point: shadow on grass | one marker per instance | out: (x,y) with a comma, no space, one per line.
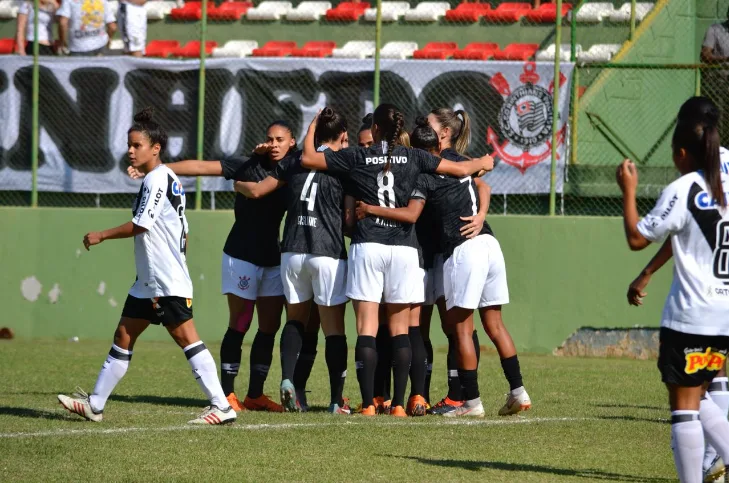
(635,419)
(32,413)
(592,474)
(632,406)
(161,400)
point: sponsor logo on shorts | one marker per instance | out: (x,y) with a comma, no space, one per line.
(244,282)
(698,360)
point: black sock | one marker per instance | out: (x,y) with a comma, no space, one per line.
(454,384)
(469,382)
(510,365)
(261,357)
(402,355)
(419,363)
(428,369)
(230,355)
(291,340)
(365,360)
(477,346)
(335,353)
(383,373)
(307,356)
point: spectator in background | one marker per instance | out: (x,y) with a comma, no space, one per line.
(132,19)
(716,43)
(85,26)
(714,82)
(26,35)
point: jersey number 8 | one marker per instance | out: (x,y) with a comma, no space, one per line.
(386,183)
(308,194)
(721,253)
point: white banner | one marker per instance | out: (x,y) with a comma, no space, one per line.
(87,105)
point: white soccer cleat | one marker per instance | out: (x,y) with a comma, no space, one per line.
(716,471)
(470,409)
(516,404)
(214,415)
(80,404)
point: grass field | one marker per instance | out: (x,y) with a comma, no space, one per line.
(593,420)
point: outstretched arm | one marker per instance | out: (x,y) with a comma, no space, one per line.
(465,168)
(127,230)
(635,290)
(627,177)
(409,214)
(253,190)
(310,157)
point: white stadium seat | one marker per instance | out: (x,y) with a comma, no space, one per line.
(598,53)
(269,10)
(398,50)
(391,12)
(565,52)
(9,9)
(308,11)
(623,14)
(594,12)
(427,12)
(159,9)
(355,49)
(236,48)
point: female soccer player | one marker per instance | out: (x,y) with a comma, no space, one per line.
(383,257)
(314,257)
(162,293)
(364,135)
(251,260)
(694,338)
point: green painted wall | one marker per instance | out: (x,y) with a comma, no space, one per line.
(564,273)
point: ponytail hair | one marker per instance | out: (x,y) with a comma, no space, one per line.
(366,123)
(423,136)
(390,122)
(329,127)
(459,123)
(143,123)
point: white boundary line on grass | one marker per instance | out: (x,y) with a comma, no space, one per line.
(276,426)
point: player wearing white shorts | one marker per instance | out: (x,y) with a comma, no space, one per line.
(162,292)
(383,259)
(132,23)
(313,260)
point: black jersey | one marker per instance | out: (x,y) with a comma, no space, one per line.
(254,237)
(363,168)
(315,217)
(451,199)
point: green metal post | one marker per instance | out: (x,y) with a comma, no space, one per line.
(378,46)
(573,33)
(575,114)
(35,129)
(201,102)
(555,113)
(632,19)
(698,81)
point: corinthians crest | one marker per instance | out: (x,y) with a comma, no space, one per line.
(525,120)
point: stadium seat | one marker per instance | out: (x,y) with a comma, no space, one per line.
(436,50)
(229,11)
(9,9)
(565,52)
(398,50)
(507,12)
(347,12)
(316,48)
(427,12)
(269,10)
(622,15)
(114,7)
(308,11)
(598,53)
(477,51)
(161,48)
(594,12)
(391,12)
(467,12)
(236,48)
(517,52)
(546,13)
(7,46)
(158,10)
(190,11)
(191,50)
(275,48)
(355,49)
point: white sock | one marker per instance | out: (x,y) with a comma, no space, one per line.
(687,442)
(517,391)
(720,395)
(716,427)
(205,372)
(114,368)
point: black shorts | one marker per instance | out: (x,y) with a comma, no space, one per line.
(162,310)
(690,360)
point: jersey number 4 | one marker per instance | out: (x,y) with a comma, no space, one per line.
(721,252)
(308,194)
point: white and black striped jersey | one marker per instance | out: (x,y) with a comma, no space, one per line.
(159,252)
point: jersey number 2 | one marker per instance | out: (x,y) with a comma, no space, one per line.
(386,184)
(721,252)
(308,194)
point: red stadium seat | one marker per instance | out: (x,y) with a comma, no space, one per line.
(318,48)
(275,48)
(190,12)
(192,49)
(477,51)
(467,12)
(229,11)
(7,46)
(507,12)
(436,50)
(517,52)
(347,12)
(546,13)
(161,48)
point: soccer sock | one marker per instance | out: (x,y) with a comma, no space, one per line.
(719,393)
(205,372)
(402,355)
(291,340)
(716,427)
(687,442)
(261,356)
(230,355)
(419,364)
(365,361)
(510,365)
(306,360)
(335,353)
(383,373)
(477,347)
(428,369)
(469,382)
(114,368)
(454,384)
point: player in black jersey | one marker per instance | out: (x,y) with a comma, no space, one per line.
(364,135)
(314,258)
(383,257)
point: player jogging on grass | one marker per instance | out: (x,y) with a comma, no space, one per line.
(162,292)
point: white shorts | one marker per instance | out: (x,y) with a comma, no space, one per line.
(439,291)
(429,284)
(132,21)
(249,281)
(307,276)
(393,271)
(475,275)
